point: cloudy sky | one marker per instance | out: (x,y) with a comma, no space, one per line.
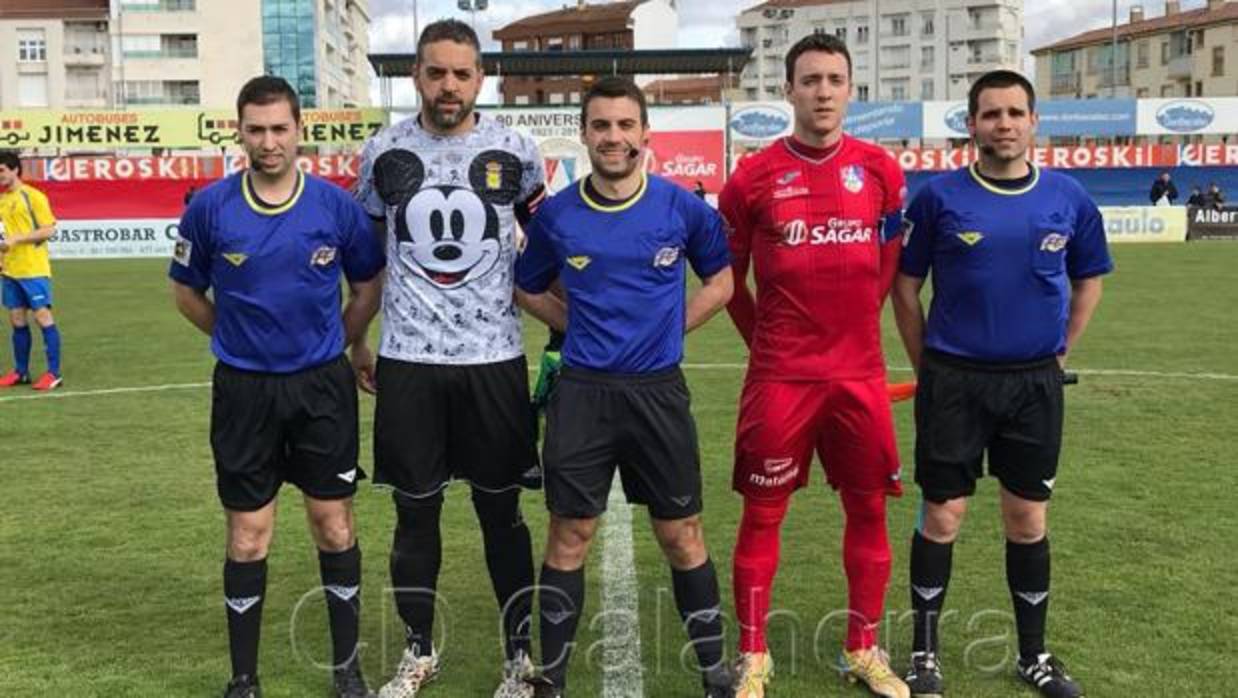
(702,22)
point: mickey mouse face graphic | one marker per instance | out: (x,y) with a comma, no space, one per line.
(451,233)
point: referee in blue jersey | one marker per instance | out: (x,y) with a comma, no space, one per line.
(271,244)
(620,242)
(1016,254)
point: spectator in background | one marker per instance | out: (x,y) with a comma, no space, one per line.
(1163,193)
(1197,197)
(699,190)
(1215,198)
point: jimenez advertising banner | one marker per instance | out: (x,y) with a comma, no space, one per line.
(169,128)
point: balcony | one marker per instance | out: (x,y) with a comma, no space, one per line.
(85,56)
(984,59)
(1179,67)
(93,102)
(1067,83)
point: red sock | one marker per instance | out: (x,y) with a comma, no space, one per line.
(755,562)
(866,558)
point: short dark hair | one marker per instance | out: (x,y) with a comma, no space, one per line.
(268,89)
(826,43)
(996,79)
(10,159)
(448,30)
(614,86)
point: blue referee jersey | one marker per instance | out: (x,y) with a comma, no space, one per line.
(623,266)
(1002,261)
(275,270)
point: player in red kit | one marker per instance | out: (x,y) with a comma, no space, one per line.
(818,215)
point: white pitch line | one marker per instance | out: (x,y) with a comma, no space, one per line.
(1120,372)
(61,394)
(621,672)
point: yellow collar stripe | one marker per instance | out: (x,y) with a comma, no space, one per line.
(640,191)
(974,169)
(247,188)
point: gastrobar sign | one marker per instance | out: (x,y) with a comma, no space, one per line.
(100,239)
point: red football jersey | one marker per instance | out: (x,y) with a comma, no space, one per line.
(820,227)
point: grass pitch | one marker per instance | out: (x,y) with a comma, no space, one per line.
(111,537)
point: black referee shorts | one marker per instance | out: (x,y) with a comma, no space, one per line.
(965,408)
(434,423)
(268,428)
(640,424)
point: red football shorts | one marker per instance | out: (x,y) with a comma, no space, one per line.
(847,423)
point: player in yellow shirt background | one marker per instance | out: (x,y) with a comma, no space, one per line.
(28,224)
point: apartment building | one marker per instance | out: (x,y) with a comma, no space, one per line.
(198,52)
(56,54)
(1178,54)
(901,50)
(628,24)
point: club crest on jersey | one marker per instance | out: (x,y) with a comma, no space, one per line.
(853,178)
(970,237)
(666,257)
(579,262)
(1053,242)
(788,177)
(494,175)
(323,256)
(236,258)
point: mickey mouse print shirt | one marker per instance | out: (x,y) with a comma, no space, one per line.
(452,205)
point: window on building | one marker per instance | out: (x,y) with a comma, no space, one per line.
(1165,52)
(522,99)
(861,92)
(520,45)
(574,97)
(1142,49)
(1141,93)
(926,24)
(140,45)
(1199,88)
(555,98)
(1167,90)
(31,46)
(897,90)
(926,58)
(896,57)
(841,33)
(32,90)
(1218,61)
(926,89)
(898,25)
(861,34)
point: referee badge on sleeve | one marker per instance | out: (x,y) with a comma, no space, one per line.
(182,252)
